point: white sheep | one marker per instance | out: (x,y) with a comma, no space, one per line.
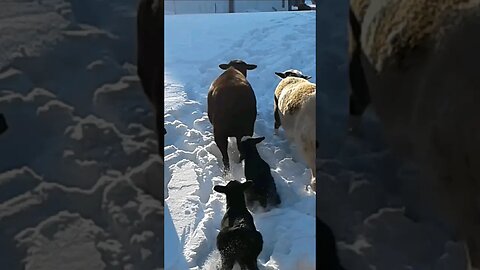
(294,109)
(421,59)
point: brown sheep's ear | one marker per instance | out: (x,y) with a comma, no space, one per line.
(251,66)
(281,75)
(224,66)
(220,189)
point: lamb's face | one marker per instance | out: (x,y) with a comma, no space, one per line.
(248,145)
(234,191)
(239,65)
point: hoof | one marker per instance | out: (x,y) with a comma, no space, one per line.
(311,187)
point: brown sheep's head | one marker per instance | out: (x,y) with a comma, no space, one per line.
(292,73)
(239,65)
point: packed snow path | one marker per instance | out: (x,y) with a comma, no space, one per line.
(195,46)
(369,198)
(78,166)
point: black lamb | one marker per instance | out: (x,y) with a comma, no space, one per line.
(258,171)
(238,240)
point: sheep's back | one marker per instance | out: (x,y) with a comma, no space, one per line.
(238,242)
(391,29)
(292,93)
(232,102)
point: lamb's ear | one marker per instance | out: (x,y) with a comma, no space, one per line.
(306,77)
(247,184)
(220,189)
(281,75)
(224,66)
(258,140)
(251,66)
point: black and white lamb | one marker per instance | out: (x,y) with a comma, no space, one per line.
(238,240)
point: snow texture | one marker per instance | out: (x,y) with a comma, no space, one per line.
(195,46)
(79,175)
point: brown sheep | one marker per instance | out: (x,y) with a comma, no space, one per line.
(232,106)
(420,59)
(150,60)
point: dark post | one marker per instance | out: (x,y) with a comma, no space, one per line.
(231,6)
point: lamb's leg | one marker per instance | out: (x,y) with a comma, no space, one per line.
(240,157)
(222,143)
(160,133)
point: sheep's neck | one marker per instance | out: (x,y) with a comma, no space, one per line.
(253,153)
(236,204)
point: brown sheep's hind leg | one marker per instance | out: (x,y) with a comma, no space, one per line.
(240,155)
(222,144)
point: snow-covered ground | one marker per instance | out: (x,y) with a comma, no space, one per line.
(80,154)
(373,202)
(195,46)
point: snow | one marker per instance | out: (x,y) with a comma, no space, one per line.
(80,180)
(373,202)
(196,45)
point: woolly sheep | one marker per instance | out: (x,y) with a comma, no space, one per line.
(420,60)
(232,106)
(150,60)
(294,110)
(238,240)
(263,190)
